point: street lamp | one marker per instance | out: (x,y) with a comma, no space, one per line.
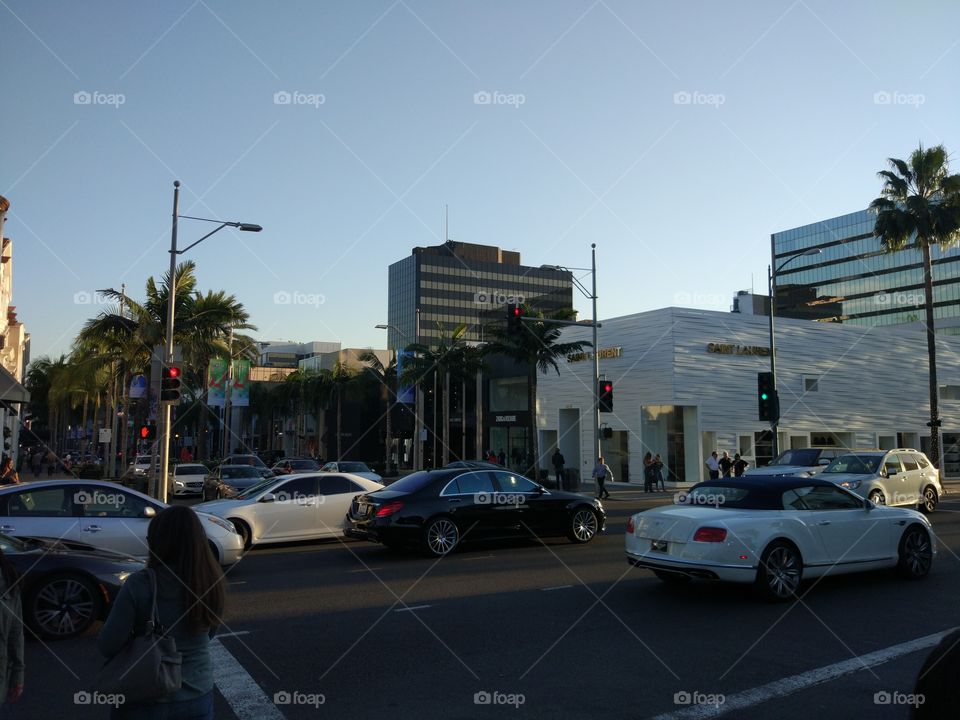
(592,296)
(171,304)
(772,289)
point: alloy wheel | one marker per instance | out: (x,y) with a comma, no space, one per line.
(916,553)
(583,526)
(442,536)
(64,607)
(877,498)
(929,502)
(781,572)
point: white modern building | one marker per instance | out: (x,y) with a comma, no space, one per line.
(685,384)
(14,349)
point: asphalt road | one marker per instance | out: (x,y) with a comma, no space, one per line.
(542,630)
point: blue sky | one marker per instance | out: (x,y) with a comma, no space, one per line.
(676,136)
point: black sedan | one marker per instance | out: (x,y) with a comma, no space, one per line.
(439,509)
(228,481)
(65,587)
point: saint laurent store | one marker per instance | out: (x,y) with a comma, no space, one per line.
(685,384)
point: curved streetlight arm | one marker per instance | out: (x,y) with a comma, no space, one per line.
(244,227)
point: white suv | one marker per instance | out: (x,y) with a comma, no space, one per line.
(888,477)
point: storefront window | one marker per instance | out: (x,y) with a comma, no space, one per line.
(508,394)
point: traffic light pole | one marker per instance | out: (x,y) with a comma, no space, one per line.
(165,408)
(775,418)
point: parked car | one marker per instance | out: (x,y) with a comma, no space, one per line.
(230,480)
(439,509)
(102,514)
(296,465)
(352,467)
(888,477)
(135,476)
(776,532)
(66,587)
(304,506)
(251,460)
(798,461)
(187,478)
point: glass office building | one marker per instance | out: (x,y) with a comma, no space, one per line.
(854,281)
(462,283)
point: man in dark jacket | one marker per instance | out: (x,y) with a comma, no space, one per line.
(558,463)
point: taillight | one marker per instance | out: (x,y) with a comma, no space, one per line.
(630,527)
(710,534)
(389,508)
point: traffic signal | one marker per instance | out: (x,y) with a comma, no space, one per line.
(605,395)
(768,402)
(148,432)
(170,384)
(514,322)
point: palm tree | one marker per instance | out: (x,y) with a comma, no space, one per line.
(387,377)
(537,349)
(341,377)
(919,205)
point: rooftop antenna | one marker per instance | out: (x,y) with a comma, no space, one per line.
(446,223)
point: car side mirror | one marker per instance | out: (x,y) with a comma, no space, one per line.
(268,498)
(868,505)
(149,512)
(891,473)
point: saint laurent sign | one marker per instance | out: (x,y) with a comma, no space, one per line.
(724,349)
(603,354)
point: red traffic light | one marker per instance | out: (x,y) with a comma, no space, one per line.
(144,432)
(171,372)
(516,311)
(607,387)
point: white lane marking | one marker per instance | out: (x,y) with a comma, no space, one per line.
(238,582)
(241,691)
(238,633)
(556,587)
(476,557)
(411,608)
(796,683)
(363,570)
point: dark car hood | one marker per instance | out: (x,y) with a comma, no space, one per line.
(56,546)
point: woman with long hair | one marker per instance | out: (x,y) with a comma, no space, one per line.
(190,598)
(11,633)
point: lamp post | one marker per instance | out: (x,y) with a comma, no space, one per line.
(171,304)
(592,296)
(772,289)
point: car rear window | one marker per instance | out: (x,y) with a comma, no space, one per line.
(805,457)
(412,483)
(732,497)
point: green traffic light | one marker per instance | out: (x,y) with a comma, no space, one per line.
(763,396)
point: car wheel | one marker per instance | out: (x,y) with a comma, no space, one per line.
(672,577)
(930,499)
(916,553)
(877,498)
(780,572)
(63,606)
(583,525)
(441,536)
(243,530)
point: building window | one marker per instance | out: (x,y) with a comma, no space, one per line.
(508,394)
(811,384)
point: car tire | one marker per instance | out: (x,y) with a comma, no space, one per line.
(440,536)
(780,572)
(243,530)
(63,606)
(877,498)
(673,578)
(583,525)
(915,553)
(929,500)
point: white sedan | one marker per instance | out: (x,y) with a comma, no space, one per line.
(776,532)
(101,514)
(303,506)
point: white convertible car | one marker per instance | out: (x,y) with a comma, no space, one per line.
(776,532)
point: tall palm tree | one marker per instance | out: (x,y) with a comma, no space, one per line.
(341,378)
(386,375)
(536,347)
(918,206)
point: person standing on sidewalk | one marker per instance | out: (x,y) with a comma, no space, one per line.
(601,473)
(558,463)
(726,464)
(713,465)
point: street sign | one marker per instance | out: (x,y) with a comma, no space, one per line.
(106,435)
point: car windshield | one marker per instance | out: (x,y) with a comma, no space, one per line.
(804,457)
(258,488)
(191,470)
(142,460)
(353,467)
(252,460)
(239,472)
(412,483)
(856,464)
(731,497)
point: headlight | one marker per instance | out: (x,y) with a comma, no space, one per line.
(122,576)
(178,483)
(222,523)
(851,484)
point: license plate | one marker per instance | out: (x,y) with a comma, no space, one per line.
(362,510)
(658,545)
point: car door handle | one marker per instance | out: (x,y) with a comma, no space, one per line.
(92,528)
(453,500)
(825,522)
(7,528)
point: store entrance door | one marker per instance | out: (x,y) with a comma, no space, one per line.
(512,441)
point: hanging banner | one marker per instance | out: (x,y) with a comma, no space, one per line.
(216,382)
(406,394)
(138,386)
(240,389)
